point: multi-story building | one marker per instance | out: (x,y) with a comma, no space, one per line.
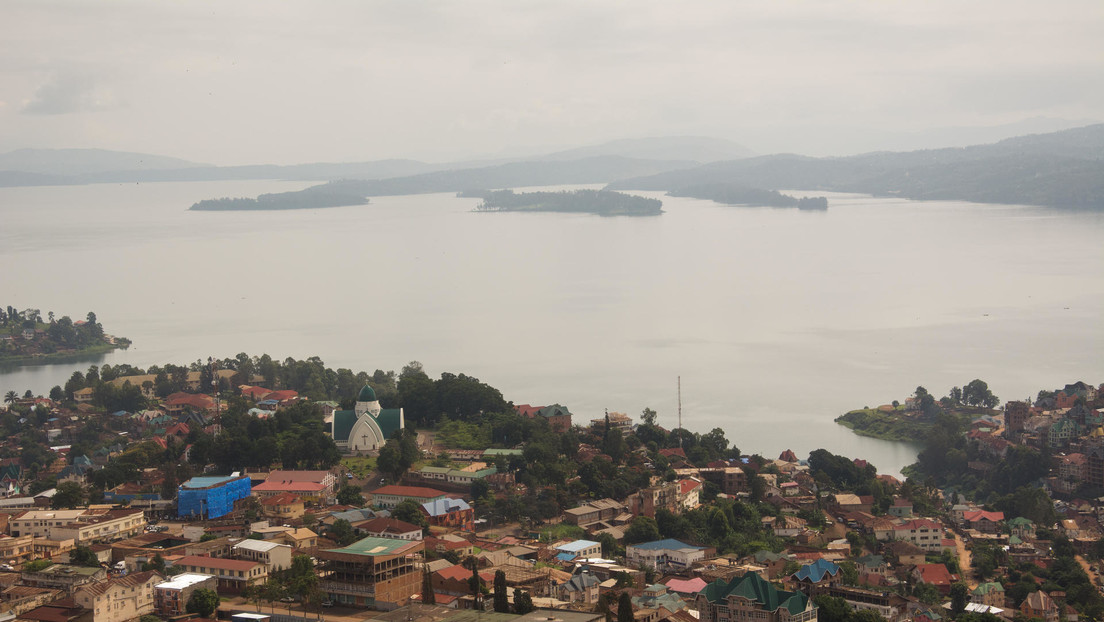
(63,577)
(1016,415)
(450,513)
(389,496)
(39,522)
(922,532)
(231,575)
(662,496)
(210,497)
(390,528)
(731,480)
(593,512)
(82,526)
(374,572)
(171,597)
(283,507)
(663,555)
(273,555)
(750,597)
(20,548)
(579,549)
(119,599)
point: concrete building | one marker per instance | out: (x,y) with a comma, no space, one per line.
(170,598)
(211,497)
(750,597)
(119,599)
(664,555)
(273,555)
(232,575)
(374,572)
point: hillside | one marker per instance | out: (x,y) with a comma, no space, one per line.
(1060,169)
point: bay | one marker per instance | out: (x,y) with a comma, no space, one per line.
(776,320)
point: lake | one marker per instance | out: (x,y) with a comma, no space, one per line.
(776,320)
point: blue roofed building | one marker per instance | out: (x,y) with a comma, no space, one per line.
(579,549)
(210,497)
(817,575)
(449,512)
(669,554)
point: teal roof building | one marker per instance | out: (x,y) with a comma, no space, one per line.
(752,597)
(367,426)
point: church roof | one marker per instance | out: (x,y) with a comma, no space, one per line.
(343,421)
(367,394)
(389,421)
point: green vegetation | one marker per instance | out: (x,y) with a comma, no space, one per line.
(915,424)
(890,426)
(360,466)
(735,194)
(560,531)
(27,338)
(600,202)
(310,198)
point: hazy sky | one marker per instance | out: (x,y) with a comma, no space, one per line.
(234,82)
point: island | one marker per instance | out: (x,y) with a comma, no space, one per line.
(599,202)
(736,194)
(310,198)
(26,338)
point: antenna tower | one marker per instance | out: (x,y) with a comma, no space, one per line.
(680,409)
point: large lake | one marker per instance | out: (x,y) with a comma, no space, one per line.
(776,320)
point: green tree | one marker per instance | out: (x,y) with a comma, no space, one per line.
(342,532)
(410,511)
(203,602)
(624,608)
(960,595)
(642,529)
(523,602)
(501,601)
(10,397)
(83,556)
(350,495)
(68,495)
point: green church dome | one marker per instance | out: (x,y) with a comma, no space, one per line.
(366,394)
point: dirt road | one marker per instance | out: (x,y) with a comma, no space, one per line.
(965,562)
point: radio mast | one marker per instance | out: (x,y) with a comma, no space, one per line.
(680,410)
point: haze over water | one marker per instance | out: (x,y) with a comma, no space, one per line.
(776,320)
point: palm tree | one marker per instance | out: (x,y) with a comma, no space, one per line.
(10,397)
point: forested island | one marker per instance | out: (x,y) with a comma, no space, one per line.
(318,196)
(600,202)
(914,420)
(25,337)
(737,194)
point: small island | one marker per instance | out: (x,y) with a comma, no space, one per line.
(735,194)
(26,338)
(311,198)
(599,202)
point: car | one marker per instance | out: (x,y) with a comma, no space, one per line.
(327,603)
(6,567)
(287,599)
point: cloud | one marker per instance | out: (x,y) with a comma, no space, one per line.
(68,92)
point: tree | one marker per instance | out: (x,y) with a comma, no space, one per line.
(83,556)
(624,608)
(203,602)
(959,596)
(155,563)
(342,532)
(642,529)
(410,511)
(523,602)
(68,495)
(428,597)
(350,495)
(10,397)
(501,602)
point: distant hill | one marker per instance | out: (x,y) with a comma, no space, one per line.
(86,161)
(1059,169)
(688,148)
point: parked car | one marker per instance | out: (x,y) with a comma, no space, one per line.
(287,599)
(327,603)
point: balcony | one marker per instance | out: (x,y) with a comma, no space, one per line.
(342,587)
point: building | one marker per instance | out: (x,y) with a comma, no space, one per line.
(389,496)
(991,594)
(1039,605)
(390,528)
(210,497)
(922,532)
(557,416)
(367,427)
(456,477)
(664,555)
(1016,415)
(450,513)
(273,555)
(63,577)
(283,507)
(231,575)
(119,599)
(374,572)
(171,597)
(593,512)
(579,549)
(82,526)
(19,548)
(750,597)
(314,492)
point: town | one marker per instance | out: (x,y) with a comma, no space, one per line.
(261,490)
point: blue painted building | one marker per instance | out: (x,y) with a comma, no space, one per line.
(210,497)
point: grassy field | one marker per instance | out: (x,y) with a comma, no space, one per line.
(360,466)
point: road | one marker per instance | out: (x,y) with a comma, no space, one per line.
(965,561)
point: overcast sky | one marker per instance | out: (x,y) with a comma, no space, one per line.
(235,82)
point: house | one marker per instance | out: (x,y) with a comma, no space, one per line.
(934,574)
(327,479)
(456,580)
(374,572)
(298,538)
(449,513)
(664,555)
(985,522)
(906,554)
(1022,527)
(922,532)
(750,597)
(170,598)
(901,508)
(1039,605)
(119,599)
(283,507)
(231,575)
(389,496)
(816,576)
(390,528)
(580,588)
(274,555)
(991,594)
(689,494)
(557,416)
(593,512)
(83,396)
(313,492)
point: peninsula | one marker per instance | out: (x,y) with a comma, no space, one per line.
(25,338)
(319,196)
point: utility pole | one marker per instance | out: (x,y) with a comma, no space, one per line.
(680,410)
